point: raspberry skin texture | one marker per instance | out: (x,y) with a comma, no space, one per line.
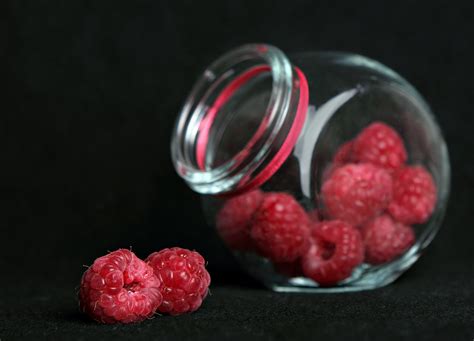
(185,280)
(119,288)
(380,145)
(386,239)
(280,228)
(234,219)
(414,195)
(356,193)
(336,249)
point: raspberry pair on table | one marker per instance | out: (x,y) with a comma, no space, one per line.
(121,288)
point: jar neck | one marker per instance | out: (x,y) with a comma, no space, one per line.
(205,115)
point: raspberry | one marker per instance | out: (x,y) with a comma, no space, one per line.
(344,154)
(280,228)
(381,145)
(386,239)
(233,220)
(336,249)
(414,195)
(184,277)
(356,192)
(119,287)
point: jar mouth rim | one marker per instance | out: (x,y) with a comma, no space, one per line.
(269,146)
(223,97)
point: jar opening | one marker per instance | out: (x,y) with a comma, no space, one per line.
(240,121)
(244,101)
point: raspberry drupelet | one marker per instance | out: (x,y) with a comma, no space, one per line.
(119,288)
(185,280)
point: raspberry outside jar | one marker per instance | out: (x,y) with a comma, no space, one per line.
(320,171)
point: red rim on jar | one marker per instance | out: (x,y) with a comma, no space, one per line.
(253,76)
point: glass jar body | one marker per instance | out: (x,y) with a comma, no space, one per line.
(346,95)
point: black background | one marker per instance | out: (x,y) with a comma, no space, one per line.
(90,93)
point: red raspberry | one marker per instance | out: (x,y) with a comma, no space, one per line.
(386,239)
(344,154)
(336,249)
(357,192)
(280,228)
(233,220)
(119,287)
(184,277)
(381,145)
(414,195)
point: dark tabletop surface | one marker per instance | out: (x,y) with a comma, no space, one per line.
(431,301)
(91,90)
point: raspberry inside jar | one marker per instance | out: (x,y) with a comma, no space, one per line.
(321,172)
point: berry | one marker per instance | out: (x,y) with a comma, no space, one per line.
(336,249)
(344,154)
(119,287)
(280,228)
(386,239)
(381,145)
(356,193)
(184,277)
(414,195)
(233,220)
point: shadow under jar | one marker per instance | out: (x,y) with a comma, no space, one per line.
(322,172)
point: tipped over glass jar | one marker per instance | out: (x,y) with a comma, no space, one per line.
(322,172)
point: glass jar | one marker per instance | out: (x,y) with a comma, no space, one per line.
(322,172)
